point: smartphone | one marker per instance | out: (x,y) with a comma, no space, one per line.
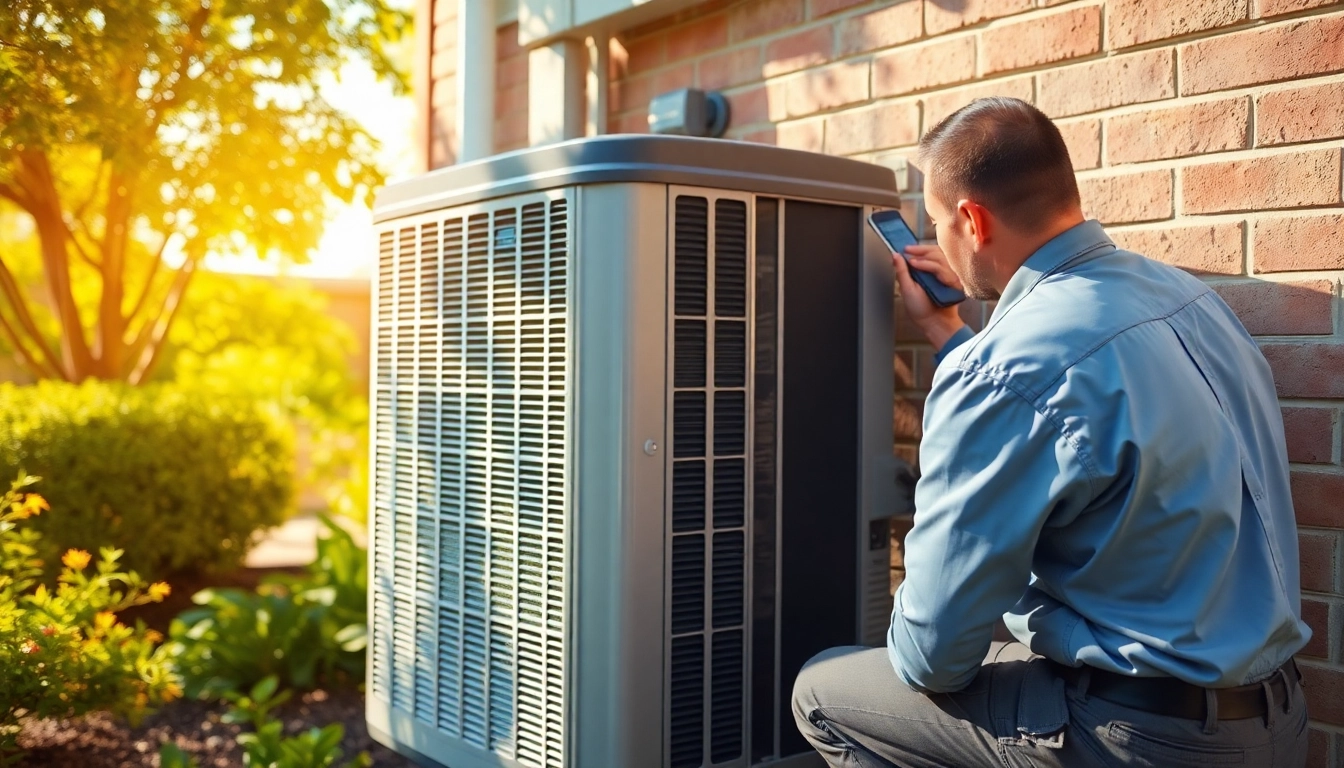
(897,235)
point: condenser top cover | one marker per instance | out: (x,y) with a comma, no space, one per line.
(716,163)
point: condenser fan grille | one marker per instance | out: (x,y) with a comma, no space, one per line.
(470,473)
(707,579)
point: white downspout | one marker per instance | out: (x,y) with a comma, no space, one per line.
(475,79)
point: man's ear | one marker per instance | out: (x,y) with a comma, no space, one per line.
(979,224)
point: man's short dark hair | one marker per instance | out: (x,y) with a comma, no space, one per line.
(1005,154)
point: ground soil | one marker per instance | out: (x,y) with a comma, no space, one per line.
(100,741)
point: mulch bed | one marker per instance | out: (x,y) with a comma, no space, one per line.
(100,741)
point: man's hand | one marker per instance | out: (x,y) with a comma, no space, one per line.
(937,323)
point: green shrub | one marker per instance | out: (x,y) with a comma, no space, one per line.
(179,480)
(304,631)
(62,651)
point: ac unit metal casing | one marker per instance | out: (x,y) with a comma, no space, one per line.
(631,451)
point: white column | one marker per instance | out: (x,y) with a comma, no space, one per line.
(599,48)
(556,108)
(475,79)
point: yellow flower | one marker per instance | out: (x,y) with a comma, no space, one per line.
(172,691)
(159,590)
(77,559)
(152,636)
(31,505)
(104,620)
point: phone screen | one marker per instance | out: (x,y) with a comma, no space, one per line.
(896,233)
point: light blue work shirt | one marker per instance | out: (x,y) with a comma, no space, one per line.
(1104,466)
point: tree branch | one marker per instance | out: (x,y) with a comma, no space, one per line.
(10,287)
(16,196)
(79,249)
(149,355)
(78,214)
(149,280)
(34,365)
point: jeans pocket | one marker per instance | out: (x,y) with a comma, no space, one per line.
(1042,711)
(1145,749)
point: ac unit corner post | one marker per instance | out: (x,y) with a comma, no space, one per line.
(631,451)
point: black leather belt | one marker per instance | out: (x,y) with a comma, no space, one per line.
(1176,698)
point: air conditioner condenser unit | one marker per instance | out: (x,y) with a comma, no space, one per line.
(631,451)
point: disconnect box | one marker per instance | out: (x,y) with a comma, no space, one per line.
(632,451)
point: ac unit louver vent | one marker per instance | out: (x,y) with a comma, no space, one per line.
(470,501)
(709,482)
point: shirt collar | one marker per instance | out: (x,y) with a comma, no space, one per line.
(1060,251)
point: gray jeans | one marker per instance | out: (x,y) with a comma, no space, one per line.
(1018,713)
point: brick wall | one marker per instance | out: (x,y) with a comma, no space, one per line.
(1206,133)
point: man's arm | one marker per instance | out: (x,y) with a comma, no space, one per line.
(993,471)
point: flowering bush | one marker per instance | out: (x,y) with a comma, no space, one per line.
(63,653)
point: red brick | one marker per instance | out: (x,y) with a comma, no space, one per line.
(940,104)
(443,93)
(764,136)
(818,8)
(445,11)
(869,128)
(635,122)
(904,365)
(1316,614)
(1264,55)
(1322,686)
(1318,748)
(941,16)
(1192,129)
(761,17)
(1038,40)
(1265,8)
(506,41)
(805,135)
(631,93)
(725,70)
(1308,369)
(884,28)
(1083,138)
(1300,114)
(1316,498)
(1127,198)
(1310,433)
(442,64)
(749,107)
(924,66)
(1320,563)
(908,418)
(808,48)
(827,88)
(511,71)
(1206,249)
(1111,82)
(698,37)
(445,37)
(511,100)
(645,54)
(1299,243)
(1131,22)
(1282,309)
(1289,180)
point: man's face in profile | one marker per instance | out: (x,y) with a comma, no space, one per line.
(952,228)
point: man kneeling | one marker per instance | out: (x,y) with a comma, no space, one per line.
(1104,467)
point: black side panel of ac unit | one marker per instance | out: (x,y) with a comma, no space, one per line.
(819,524)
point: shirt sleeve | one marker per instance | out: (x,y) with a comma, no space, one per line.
(993,471)
(960,337)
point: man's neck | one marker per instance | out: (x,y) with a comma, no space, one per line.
(1022,246)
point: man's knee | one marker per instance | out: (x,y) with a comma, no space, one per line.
(820,673)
